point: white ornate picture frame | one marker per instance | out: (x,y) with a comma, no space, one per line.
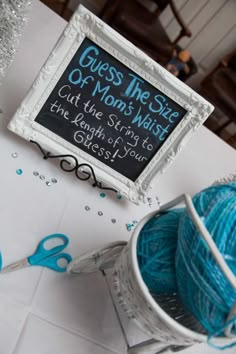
(83,25)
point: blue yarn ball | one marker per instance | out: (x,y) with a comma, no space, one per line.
(202,286)
(156,249)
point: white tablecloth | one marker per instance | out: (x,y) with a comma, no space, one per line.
(43,312)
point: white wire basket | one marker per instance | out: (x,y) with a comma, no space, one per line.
(162,317)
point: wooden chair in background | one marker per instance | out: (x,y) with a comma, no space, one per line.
(139,22)
(219,87)
(60,7)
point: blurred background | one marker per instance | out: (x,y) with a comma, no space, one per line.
(195,40)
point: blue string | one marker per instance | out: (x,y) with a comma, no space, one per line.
(156,248)
(212,336)
(173,257)
(202,286)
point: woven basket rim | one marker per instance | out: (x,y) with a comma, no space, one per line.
(149,298)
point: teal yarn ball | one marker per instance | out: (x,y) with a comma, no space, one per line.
(156,249)
(202,286)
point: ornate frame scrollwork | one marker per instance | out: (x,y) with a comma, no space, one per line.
(85,24)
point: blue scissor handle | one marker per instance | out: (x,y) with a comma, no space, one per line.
(42,253)
(52,262)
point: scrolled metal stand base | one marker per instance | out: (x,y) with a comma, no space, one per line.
(82,171)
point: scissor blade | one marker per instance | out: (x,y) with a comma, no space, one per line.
(15,266)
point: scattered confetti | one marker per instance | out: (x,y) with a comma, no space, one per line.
(129,226)
(102,195)
(54,180)
(19,171)
(15,155)
(35,173)
(42,177)
(87,208)
(48,183)
(119,196)
(113,221)
(149,201)
(100,213)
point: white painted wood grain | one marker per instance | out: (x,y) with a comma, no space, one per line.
(167,15)
(201,19)
(188,12)
(226,45)
(211,35)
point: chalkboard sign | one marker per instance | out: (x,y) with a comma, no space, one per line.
(106,102)
(110,112)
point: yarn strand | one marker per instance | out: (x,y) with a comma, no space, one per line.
(174,257)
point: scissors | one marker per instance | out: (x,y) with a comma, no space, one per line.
(45,257)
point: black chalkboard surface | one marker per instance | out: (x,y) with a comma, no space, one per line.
(105,109)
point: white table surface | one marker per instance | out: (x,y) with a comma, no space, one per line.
(43,312)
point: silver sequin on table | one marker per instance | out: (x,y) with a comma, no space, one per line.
(54,180)
(149,201)
(42,177)
(48,183)
(100,213)
(13,16)
(15,154)
(113,221)
(158,201)
(19,171)
(87,208)
(35,173)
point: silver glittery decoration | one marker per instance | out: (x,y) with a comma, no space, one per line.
(42,177)
(100,213)
(87,208)
(158,201)
(48,183)
(14,155)
(113,221)
(13,16)
(149,201)
(35,173)
(54,180)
